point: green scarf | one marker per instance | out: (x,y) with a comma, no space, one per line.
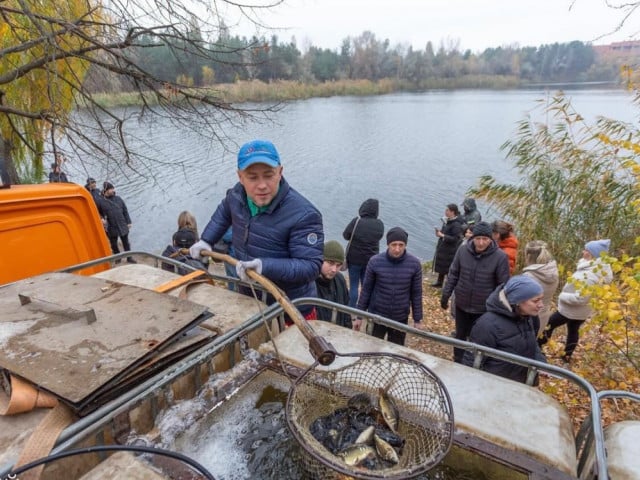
(254,209)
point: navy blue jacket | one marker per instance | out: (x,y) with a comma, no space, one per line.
(503,329)
(473,276)
(288,237)
(391,286)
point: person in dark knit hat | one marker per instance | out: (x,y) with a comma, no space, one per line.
(92,188)
(510,324)
(118,219)
(392,287)
(482,229)
(331,285)
(477,269)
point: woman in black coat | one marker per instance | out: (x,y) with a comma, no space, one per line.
(363,233)
(449,239)
(510,324)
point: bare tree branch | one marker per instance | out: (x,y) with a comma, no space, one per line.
(53,44)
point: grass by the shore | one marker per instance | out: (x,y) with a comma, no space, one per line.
(282,90)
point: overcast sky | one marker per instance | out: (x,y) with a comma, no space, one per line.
(476,24)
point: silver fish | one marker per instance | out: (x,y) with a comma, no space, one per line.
(389,410)
(386,451)
(366,435)
(356,454)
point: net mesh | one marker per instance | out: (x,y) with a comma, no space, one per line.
(425,413)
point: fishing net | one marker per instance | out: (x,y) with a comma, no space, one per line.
(422,401)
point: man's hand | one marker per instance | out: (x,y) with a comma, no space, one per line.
(241,268)
(444,303)
(196,248)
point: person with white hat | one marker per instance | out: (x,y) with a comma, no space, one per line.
(573,306)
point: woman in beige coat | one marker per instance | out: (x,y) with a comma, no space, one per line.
(541,266)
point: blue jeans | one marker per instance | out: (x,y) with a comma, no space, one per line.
(230,270)
(356,279)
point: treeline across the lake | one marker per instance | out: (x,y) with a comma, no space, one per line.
(365,57)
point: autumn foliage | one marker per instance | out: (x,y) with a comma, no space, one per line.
(581,182)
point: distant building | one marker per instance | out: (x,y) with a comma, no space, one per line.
(630,48)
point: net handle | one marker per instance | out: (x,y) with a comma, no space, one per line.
(320,348)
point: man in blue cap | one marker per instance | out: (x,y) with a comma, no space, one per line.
(276,231)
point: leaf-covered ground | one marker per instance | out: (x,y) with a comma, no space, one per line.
(604,373)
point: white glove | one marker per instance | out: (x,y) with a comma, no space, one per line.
(241,268)
(196,248)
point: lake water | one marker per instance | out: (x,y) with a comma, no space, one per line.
(414,152)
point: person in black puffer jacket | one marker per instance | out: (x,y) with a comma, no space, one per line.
(365,243)
(509,325)
(276,231)
(477,269)
(392,286)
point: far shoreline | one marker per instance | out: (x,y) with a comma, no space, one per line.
(256,91)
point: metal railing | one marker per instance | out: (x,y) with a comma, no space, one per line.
(590,436)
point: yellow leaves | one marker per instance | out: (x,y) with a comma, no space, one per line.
(626,144)
(50,38)
(614,315)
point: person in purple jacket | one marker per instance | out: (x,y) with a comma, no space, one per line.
(276,231)
(392,286)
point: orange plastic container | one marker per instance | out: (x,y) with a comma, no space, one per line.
(47,227)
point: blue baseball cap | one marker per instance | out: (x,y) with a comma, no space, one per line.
(258,151)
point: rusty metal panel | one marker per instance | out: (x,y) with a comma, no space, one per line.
(77,336)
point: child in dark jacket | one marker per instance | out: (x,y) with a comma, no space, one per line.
(181,242)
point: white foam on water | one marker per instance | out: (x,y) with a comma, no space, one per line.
(212,443)
(211,437)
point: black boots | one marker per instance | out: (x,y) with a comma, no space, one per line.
(438,282)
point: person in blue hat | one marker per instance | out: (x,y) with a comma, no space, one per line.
(276,231)
(573,306)
(510,324)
